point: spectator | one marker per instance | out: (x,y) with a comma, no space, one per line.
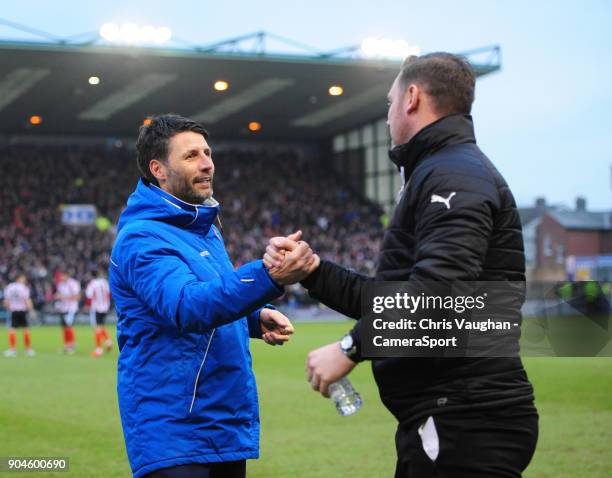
(342,226)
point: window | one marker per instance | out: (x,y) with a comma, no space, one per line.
(339,143)
(548,251)
(367,135)
(361,155)
(560,254)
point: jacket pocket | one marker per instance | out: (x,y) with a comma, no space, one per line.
(196,373)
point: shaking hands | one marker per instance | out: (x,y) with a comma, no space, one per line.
(289,259)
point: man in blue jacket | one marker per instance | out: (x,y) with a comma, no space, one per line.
(187,393)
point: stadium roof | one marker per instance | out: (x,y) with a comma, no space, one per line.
(286,94)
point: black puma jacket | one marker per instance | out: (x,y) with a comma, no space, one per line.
(455,220)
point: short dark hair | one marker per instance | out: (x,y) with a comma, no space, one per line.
(153,137)
(448,79)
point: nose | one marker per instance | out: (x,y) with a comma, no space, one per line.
(205,163)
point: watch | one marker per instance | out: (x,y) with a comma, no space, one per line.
(348,347)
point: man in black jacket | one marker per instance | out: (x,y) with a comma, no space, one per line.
(456,220)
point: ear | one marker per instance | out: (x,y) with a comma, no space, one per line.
(412,98)
(158,170)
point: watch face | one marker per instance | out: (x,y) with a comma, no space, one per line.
(347,342)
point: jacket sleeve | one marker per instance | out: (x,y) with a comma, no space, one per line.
(337,287)
(254,324)
(164,282)
(452,238)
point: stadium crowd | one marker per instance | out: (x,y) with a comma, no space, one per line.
(262,194)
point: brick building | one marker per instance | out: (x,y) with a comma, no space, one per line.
(566,237)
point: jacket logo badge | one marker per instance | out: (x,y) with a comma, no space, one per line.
(446,202)
(205,253)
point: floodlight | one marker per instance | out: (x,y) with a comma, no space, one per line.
(387,48)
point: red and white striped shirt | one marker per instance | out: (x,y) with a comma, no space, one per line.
(16,295)
(66,290)
(98,292)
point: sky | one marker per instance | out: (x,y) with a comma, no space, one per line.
(543,119)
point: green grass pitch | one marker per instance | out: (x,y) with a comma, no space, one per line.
(56,405)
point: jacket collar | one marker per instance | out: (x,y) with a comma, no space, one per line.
(198,217)
(449,130)
(152,203)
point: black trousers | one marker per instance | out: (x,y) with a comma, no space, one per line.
(471,444)
(226,469)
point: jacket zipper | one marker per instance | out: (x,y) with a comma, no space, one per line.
(195,385)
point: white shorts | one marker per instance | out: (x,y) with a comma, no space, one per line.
(68,319)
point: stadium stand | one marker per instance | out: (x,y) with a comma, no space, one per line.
(262,195)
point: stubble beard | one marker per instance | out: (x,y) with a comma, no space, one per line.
(181,187)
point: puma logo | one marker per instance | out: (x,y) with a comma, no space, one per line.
(446,202)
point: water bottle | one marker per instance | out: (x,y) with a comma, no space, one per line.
(346,398)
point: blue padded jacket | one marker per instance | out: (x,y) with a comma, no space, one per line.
(186,389)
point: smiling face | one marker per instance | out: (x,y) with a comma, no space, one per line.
(188,171)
